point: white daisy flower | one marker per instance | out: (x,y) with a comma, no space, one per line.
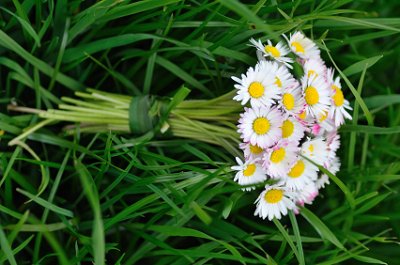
(315,149)
(260,126)
(274,202)
(316,94)
(338,111)
(292,100)
(277,160)
(333,167)
(333,141)
(304,118)
(250,172)
(283,78)
(300,174)
(307,194)
(251,151)
(302,46)
(257,86)
(322,125)
(292,130)
(330,76)
(322,181)
(314,67)
(326,123)
(277,52)
(339,103)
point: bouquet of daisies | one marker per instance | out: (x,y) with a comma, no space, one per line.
(288,128)
(289,125)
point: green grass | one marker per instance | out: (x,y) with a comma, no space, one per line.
(121,199)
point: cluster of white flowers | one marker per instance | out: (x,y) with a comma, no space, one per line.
(286,122)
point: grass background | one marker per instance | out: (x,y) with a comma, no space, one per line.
(117,199)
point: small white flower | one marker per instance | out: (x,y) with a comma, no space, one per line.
(316,94)
(322,181)
(277,52)
(330,76)
(292,130)
(257,86)
(333,141)
(277,160)
(333,167)
(260,126)
(302,46)
(315,149)
(251,151)
(302,173)
(274,202)
(325,122)
(250,172)
(292,100)
(304,118)
(283,78)
(314,67)
(307,194)
(339,104)
(338,111)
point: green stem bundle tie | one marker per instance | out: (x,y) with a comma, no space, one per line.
(147,113)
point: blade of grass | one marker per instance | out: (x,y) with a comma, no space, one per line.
(19,248)
(7,42)
(287,238)
(352,143)
(370,129)
(321,228)
(245,12)
(361,65)
(6,248)
(89,187)
(137,7)
(47,204)
(44,171)
(297,235)
(180,73)
(50,199)
(26,26)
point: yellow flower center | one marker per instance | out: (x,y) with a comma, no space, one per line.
(272,50)
(1,132)
(335,87)
(303,115)
(249,171)
(278,82)
(261,125)
(288,101)
(297,170)
(338,98)
(312,96)
(278,155)
(323,116)
(312,72)
(255,149)
(311,148)
(273,196)
(298,47)
(287,129)
(256,89)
